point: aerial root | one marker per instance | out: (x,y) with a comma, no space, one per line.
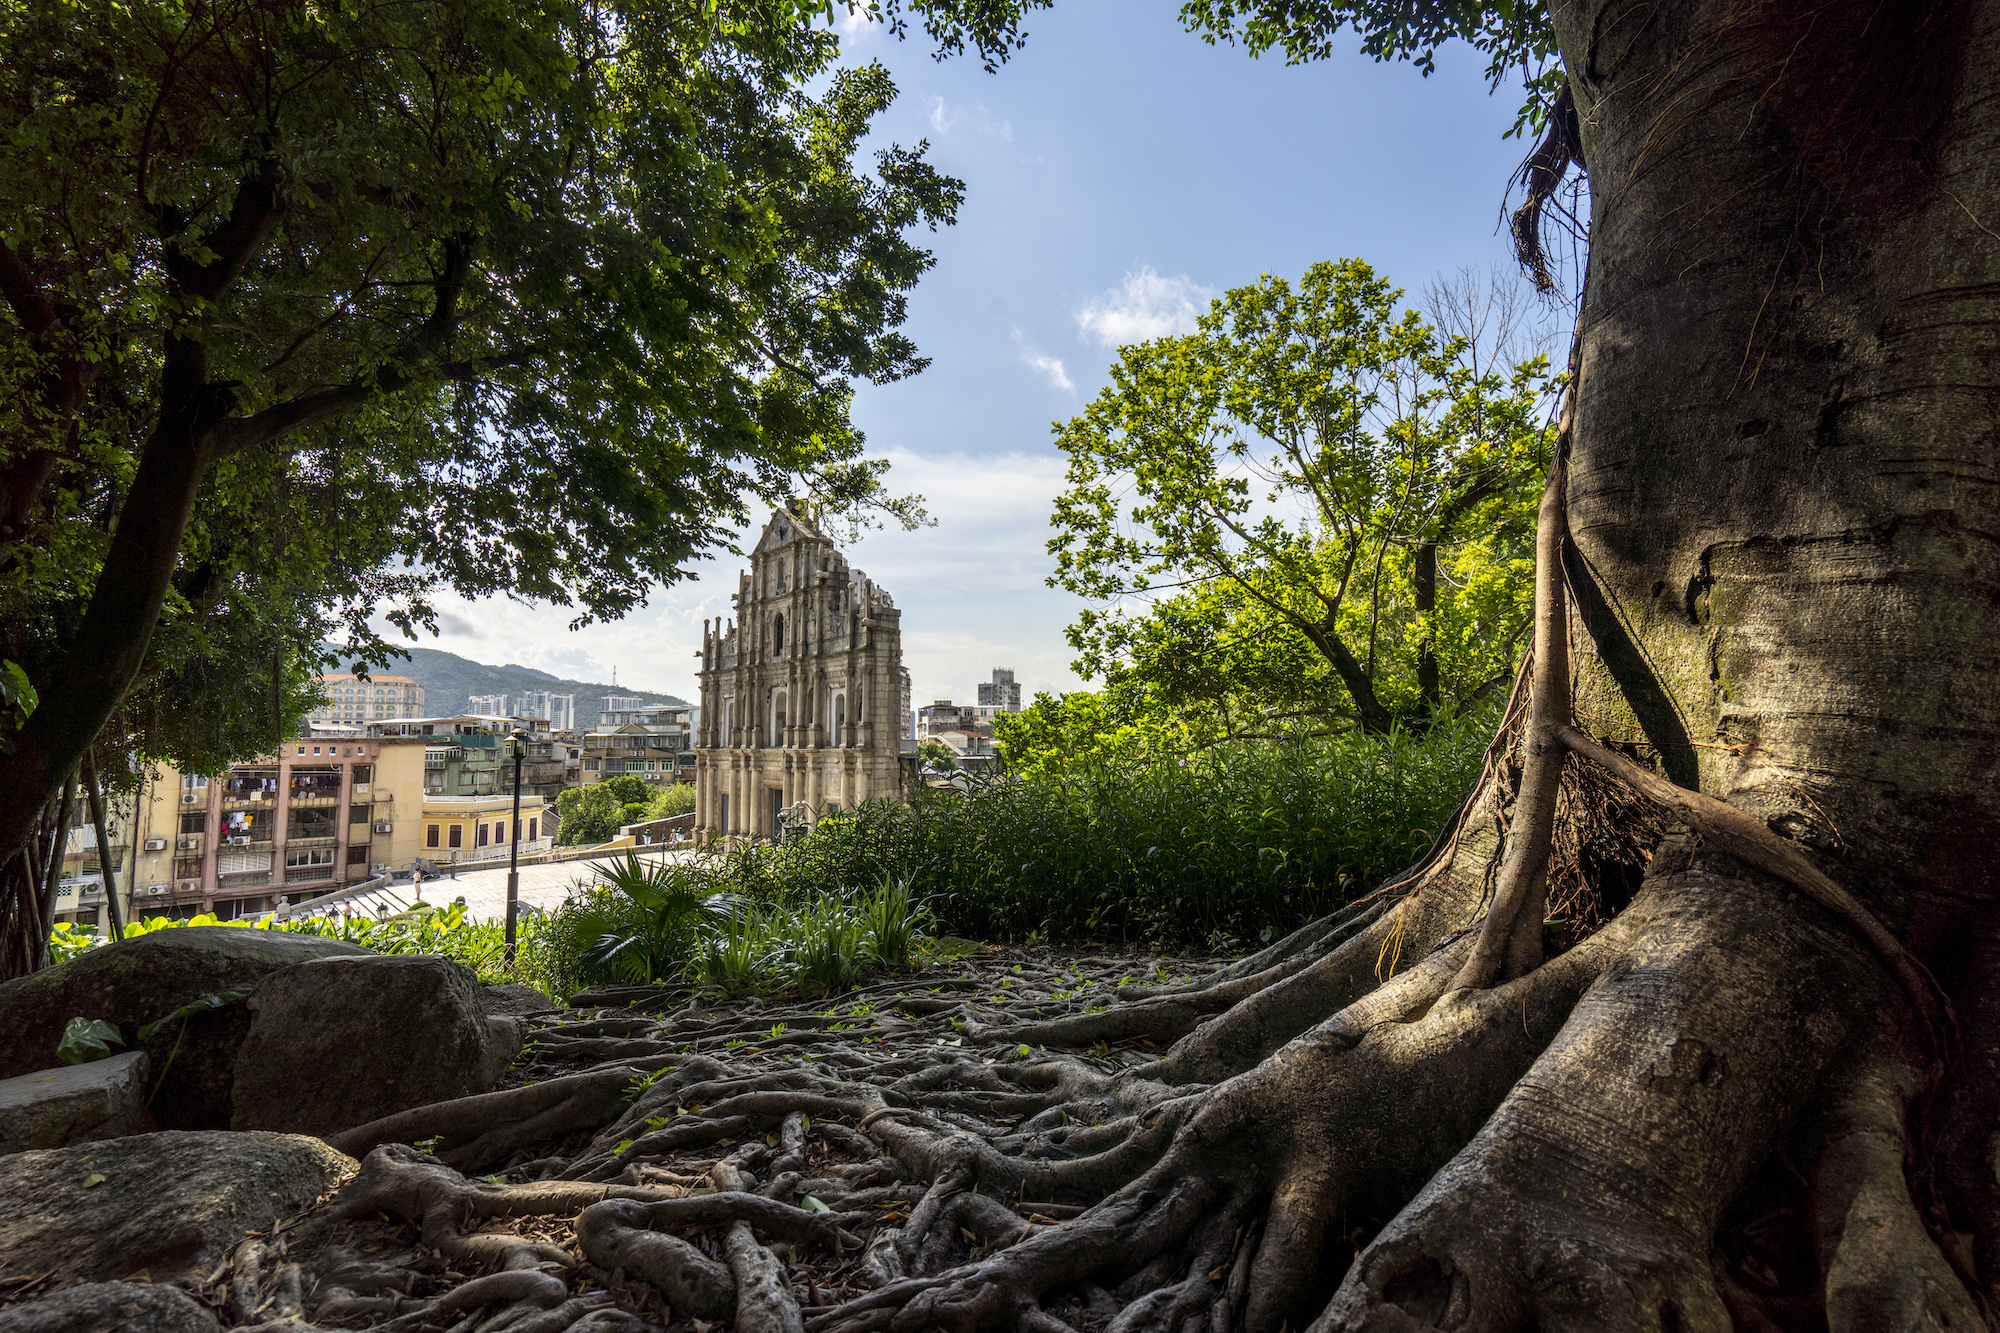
(1882,1269)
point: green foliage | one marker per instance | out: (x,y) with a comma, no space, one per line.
(480,945)
(1515,36)
(88,1039)
(589,815)
(936,755)
(396,285)
(190,1009)
(893,922)
(651,929)
(1325,507)
(1249,839)
(674,798)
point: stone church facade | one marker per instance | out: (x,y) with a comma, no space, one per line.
(803,695)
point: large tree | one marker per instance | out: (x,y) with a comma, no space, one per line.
(312,308)
(1752,1080)
(1284,481)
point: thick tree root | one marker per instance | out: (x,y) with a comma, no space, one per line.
(1590,1198)
(1883,1270)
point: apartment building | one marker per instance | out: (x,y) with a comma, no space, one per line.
(85,867)
(655,744)
(467,755)
(1002,693)
(315,816)
(354,701)
(491,704)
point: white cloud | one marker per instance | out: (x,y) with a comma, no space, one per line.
(970,590)
(853,21)
(1143,307)
(944,116)
(1050,367)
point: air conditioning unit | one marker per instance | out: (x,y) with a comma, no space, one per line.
(383,826)
(379,868)
(189,844)
(156,844)
(238,841)
(193,797)
(155,890)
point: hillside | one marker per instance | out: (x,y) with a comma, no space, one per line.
(449,679)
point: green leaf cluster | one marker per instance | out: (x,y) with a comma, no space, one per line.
(1315,508)
(456,294)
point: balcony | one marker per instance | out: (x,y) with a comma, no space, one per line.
(249,800)
(245,844)
(301,844)
(307,874)
(304,800)
(252,879)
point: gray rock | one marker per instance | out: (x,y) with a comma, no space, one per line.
(339,1042)
(516,1000)
(105,1099)
(135,981)
(170,1204)
(111,1307)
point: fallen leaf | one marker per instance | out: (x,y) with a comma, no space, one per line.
(95,1178)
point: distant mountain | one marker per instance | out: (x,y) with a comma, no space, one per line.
(449,680)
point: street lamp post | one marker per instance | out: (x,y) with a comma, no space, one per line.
(517,742)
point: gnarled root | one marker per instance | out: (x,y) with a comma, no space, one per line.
(1590,1198)
(482,1131)
(1277,1152)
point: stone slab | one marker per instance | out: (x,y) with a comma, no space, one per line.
(171,1204)
(105,1099)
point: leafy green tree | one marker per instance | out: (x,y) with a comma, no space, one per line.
(1297,468)
(596,812)
(311,310)
(936,755)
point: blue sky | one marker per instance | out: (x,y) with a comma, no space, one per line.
(1119,172)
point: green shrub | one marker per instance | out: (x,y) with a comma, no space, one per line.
(480,945)
(637,923)
(1235,844)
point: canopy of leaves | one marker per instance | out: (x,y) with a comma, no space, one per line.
(463,293)
(1321,507)
(1514,35)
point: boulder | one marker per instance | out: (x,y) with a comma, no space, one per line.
(111,1307)
(171,1204)
(515,1000)
(105,1099)
(339,1042)
(132,982)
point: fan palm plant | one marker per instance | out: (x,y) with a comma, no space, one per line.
(642,921)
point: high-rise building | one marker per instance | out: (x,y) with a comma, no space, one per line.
(487,705)
(1002,693)
(620,703)
(558,710)
(357,701)
(803,698)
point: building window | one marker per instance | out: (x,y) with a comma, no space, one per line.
(482,835)
(196,822)
(458,835)
(357,856)
(187,867)
(317,856)
(431,835)
(532,825)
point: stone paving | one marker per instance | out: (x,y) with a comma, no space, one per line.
(485,890)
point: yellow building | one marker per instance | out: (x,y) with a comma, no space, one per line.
(322,813)
(458,829)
